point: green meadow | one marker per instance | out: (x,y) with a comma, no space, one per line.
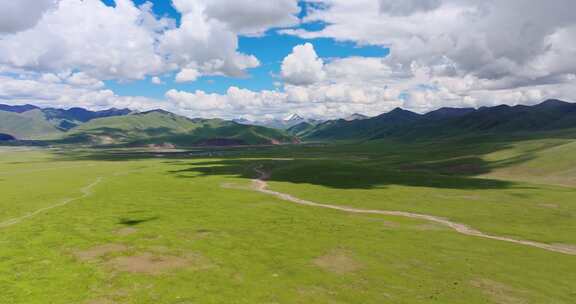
(101,226)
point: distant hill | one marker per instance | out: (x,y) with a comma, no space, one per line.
(356,116)
(6,137)
(27,125)
(17,109)
(68,119)
(357,129)
(31,122)
(444,113)
(399,123)
(122,126)
(159,127)
(301,128)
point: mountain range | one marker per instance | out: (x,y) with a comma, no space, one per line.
(294,121)
(282,124)
(123,126)
(126,127)
(399,123)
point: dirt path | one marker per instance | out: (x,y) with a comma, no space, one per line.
(86,191)
(261,185)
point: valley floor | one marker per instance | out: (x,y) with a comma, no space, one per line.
(128,226)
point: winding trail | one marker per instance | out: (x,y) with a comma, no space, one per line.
(86,191)
(260,184)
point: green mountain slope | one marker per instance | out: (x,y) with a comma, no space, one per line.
(448,122)
(158,127)
(31,123)
(361,129)
(548,161)
(27,125)
(301,129)
(70,118)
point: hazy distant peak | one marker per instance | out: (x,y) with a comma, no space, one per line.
(356,116)
(293,117)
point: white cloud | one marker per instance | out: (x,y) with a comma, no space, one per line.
(65,51)
(487,39)
(303,66)
(156,80)
(236,102)
(205,43)
(253,17)
(407,7)
(101,41)
(50,90)
(364,85)
(127,42)
(187,75)
(81,79)
(447,52)
(19,15)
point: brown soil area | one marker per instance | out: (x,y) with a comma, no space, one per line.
(99,251)
(126,231)
(337,261)
(148,263)
(498,292)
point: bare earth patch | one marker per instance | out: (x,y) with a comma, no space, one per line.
(126,231)
(498,292)
(567,247)
(234,186)
(99,251)
(148,263)
(337,261)
(429,227)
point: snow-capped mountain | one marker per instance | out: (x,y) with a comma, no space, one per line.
(285,123)
(294,118)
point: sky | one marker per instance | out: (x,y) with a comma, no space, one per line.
(268,59)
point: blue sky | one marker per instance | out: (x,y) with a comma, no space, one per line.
(270,49)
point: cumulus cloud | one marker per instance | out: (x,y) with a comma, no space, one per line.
(156,80)
(187,75)
(104,42)
(303,66)
(452,52)
(234,103)
(83,80)
(127,42)
(50,90)
(71,46)
(253,17)
(372,86)
(407,7)
(20,15)
(487,39)
(203,42)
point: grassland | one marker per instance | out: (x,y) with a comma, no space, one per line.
(187,227)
